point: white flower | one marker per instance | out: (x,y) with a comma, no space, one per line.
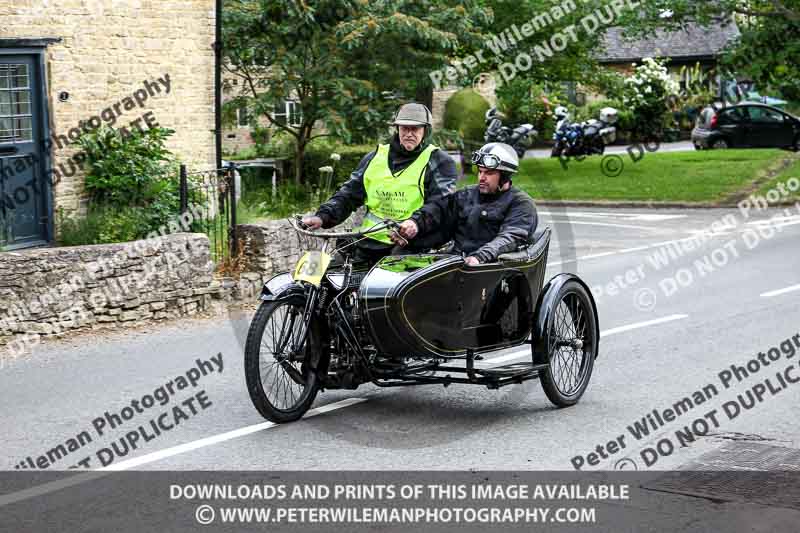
(326,170)
(336,157)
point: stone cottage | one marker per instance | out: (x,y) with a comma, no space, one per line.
(72,65)
(694,44)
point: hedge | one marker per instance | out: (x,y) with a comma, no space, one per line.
(465,112)
(319,155)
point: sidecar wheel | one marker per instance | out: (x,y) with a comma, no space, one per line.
(572,340)
(281,385)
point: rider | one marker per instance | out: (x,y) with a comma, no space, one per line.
(484,220)
(393,181)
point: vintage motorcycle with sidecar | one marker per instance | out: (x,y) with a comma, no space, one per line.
(415,320)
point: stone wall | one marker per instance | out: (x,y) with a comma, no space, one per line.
(272,247)
(108,49)
(54,290)
(440,99)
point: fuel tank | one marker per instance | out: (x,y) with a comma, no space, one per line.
(428,305)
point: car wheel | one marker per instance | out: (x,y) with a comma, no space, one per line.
(796,146)
(720,144)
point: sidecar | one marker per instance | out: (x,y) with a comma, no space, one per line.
(434,306)
(419,320)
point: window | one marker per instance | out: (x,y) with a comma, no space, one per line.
(243,116)
(289,113)
(16,121)
(731,116)
(765,116)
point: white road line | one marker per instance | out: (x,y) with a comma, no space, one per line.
(655,245)
(637,249)
(770,294)
(776,219)
(582,223)
(629,216)
(222,437)
(788,224)
(78,479)
(518,354)
(639,325)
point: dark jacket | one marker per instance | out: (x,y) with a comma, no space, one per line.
(481,225)
(440,179)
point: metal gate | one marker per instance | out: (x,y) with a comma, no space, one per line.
(215,192)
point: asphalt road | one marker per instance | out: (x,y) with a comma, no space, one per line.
(658,346)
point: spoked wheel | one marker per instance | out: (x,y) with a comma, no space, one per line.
(281,383)
(572,346)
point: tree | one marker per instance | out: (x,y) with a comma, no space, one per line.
(528,91)
(768,50)
(339,58)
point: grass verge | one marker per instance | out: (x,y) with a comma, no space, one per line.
(793,171)
(699,176)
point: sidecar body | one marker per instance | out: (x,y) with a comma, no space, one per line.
(435,305)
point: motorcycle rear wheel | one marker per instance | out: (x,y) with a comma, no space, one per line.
(281,384)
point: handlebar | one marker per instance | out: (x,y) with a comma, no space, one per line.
(297,223)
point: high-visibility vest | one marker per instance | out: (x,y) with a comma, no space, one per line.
(394,196)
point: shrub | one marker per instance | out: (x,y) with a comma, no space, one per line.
(523,101)
(277,144)
(647,93)
(133,183)
(465,113)
(448,139)
(126,168)
(318,155)
(103,225)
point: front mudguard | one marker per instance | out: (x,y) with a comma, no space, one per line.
(321,359)
(546,306)
(284,291)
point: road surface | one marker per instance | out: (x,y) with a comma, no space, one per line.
(665,337)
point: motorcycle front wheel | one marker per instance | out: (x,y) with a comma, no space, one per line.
(281,384)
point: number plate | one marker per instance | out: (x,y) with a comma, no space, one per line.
(311,267)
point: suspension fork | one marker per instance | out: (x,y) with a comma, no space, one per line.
(308,314)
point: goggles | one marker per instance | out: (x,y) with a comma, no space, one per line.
(482,159)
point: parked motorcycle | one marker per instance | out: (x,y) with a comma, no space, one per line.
(585,138)
(516,137)
(564,134)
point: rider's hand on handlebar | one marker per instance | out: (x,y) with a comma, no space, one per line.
(409,229)
(313,222)
(398,239)
(472,261)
